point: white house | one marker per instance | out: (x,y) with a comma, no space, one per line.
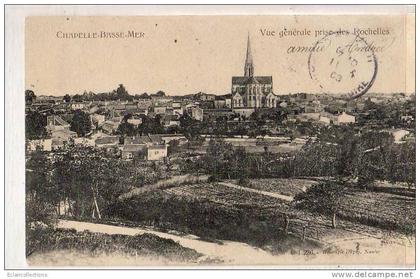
(399,135)
(75,106)
(157,152)
(345,118)
(339,119)
(42,144)
(135,121)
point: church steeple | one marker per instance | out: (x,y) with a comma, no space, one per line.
(249,66)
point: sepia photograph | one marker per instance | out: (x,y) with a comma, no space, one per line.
(239,140)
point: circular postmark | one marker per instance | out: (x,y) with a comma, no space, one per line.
(344,64)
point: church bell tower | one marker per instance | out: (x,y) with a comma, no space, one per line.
(249,66)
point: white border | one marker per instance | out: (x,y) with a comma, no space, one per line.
(14,87)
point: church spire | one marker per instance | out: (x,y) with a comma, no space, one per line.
(249,66)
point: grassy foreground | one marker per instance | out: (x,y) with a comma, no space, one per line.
(96,244)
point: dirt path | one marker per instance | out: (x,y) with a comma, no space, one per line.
(265,193)
(175,180)
(229,252)
(237,253)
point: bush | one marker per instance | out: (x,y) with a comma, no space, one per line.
(98,243)
(243,181)
(213,178)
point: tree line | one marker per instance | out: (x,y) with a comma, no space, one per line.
(363,155)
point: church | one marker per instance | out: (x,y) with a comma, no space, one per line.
(249,91)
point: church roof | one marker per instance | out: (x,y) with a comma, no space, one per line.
(250,80)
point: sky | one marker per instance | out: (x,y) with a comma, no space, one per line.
(187,54)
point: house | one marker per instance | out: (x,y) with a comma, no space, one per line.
(110,126)
(167,138)
(107,141)
(144,103)
(78,105)
(313,107)
(399,135)
(55,122)
(135,121)
(336,119)
(224,101)
(42,144)
(201,96)
(159,109)
(84,141)
(345,118)
(196,113)
(157,152)
(150,147)
(213,114)
(97,118)
(93,109)
(171,120)
(177,108)
(65,135)
(132,151)
(244,112)
(147,140)
(307,116)
(57,144)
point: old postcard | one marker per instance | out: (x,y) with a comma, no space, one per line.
(246,140)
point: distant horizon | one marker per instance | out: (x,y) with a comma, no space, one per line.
(169,95)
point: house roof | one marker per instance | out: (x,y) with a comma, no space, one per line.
(171,117)
(157,147)
(133,147)
(223,97)
(107,140)
(63,132)
(56,121)
(155,138)
(137,140)
(143,139)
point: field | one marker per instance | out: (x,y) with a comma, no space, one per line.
(226,196)
(381,209)
(371,212)
(252,145)
(284,186)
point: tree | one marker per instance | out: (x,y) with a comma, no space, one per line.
(238,163)
(80,123)
(372,157)
(126,129)
(323,198)
(150,125)
(38,169)
(29,97)
(41,197)
(216,160)
(77,98)
(35,124)
(88,181)
(160,93)
(67,98)
(121,91)
(173,146)
(189,126)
